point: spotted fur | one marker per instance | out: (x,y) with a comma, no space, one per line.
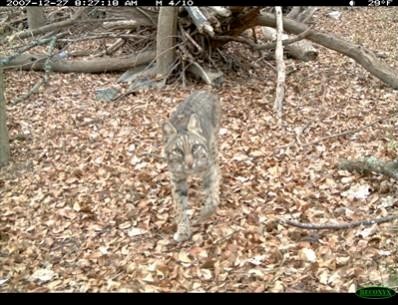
(190,147)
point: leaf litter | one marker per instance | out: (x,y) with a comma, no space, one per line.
(86,203)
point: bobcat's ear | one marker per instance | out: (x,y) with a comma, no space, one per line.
(194,125)
(168,130)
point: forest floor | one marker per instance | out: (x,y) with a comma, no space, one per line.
(86,204)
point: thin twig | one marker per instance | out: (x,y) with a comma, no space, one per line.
(104,35)
(331,226)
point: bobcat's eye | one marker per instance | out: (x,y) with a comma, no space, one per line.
(177,151)
(197,148)
(176,154)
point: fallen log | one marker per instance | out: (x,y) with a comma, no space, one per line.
(120,25)
(97,65)
(302,49)
(265,46)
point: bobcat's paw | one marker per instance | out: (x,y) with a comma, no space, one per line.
(206,212)
(183,233)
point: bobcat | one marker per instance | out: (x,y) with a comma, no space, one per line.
(190,147)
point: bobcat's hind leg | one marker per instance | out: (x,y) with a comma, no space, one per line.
(211,186)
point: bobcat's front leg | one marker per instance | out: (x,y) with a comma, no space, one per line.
(180,197)
(211,186)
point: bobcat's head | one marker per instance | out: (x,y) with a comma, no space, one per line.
(186,151)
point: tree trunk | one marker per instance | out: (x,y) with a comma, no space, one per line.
(165,40)
(36,17)
(4,141)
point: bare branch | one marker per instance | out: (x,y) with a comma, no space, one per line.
(280,64)
(332,226)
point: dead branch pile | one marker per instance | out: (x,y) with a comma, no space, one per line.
(152,46)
